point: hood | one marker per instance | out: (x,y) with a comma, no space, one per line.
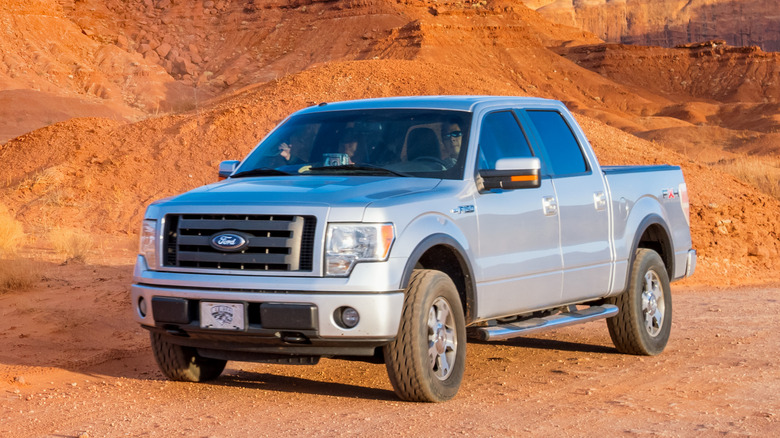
(304,190)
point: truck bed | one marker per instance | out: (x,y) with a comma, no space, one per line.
(639,192)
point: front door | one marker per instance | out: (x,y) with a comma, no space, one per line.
(518,253)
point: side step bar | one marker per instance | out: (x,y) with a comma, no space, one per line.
(532,325)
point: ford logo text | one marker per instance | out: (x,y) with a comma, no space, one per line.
(229,242)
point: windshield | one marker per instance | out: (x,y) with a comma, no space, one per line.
(420,143)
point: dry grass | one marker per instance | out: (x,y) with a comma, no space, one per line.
(75,245)
(761,172)
(18,274)
(45,178)
(11,233)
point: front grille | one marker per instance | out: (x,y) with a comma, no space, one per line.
(275,243)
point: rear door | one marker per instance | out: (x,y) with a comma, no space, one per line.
(582,204)
(519,259)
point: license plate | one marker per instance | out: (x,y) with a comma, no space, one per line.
(222,316)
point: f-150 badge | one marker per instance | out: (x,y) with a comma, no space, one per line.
(463,209)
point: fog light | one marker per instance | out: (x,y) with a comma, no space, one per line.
(142,307)
(347,317)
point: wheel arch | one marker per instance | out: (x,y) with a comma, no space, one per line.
(653,233)
(443,253)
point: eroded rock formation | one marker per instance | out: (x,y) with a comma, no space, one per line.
(669,23)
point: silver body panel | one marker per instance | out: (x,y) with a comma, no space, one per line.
(636,196)
(568,241)
(518,262)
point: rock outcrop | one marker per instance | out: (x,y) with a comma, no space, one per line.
(668,23)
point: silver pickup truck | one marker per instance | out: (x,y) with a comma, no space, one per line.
(393,229)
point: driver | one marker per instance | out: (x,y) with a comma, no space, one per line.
(453,138)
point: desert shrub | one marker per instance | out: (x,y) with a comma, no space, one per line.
(763,172)
(18,274)
(11,233)
(75,245)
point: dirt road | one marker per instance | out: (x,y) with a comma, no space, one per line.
(719,376)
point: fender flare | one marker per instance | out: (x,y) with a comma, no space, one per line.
(668,246)
(465,266)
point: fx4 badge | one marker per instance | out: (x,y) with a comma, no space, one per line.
(670,193)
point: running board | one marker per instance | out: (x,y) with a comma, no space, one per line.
(532,325)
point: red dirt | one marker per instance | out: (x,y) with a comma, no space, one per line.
(108,105)
(67,370)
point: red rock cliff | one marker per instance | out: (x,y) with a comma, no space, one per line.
(671,22)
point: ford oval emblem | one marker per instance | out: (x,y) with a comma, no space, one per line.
(229,242)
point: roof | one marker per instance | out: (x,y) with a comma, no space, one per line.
(458,103)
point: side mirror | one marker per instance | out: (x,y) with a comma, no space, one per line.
(511,174)
(226,168)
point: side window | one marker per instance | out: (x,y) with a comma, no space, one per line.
(563,151)
(501,137)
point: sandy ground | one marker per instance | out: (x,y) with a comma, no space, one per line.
(73,363)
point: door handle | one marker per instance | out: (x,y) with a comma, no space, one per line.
(600,201)
(549,206)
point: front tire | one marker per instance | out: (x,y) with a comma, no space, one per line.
(183,364)
(644,322)
(426,361)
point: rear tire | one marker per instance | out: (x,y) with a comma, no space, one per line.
(183,364)
(644,322)
(426,361)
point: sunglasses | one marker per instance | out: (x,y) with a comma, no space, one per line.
(454,134)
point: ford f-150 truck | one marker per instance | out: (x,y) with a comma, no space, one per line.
(393,229)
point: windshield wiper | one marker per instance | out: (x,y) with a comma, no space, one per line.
(360,168)
(259,172)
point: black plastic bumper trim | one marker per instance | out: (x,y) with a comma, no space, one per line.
(269,343)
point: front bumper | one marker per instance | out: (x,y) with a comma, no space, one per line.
(379,307)
(380,313)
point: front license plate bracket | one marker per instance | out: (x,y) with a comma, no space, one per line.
(222,315)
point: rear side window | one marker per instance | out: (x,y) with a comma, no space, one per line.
(563,151)
(501,137)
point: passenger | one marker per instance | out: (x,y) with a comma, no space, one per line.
(285,151)
(282,157)
(294,150)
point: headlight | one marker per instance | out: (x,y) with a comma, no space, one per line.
(148,245)
(348,244)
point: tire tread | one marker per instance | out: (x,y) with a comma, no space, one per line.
(183,364)
(625,328)
(408,379)
(404,376)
